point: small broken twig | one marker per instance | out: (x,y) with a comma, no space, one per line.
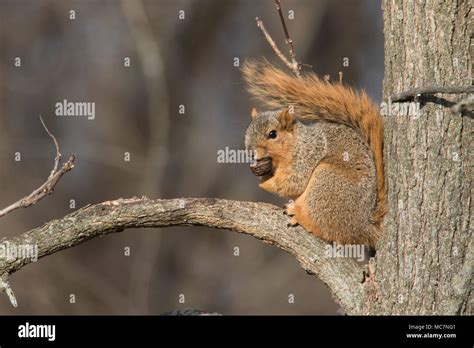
(293,64)
(413,93)
(57,159)
(48,186)
(272,43)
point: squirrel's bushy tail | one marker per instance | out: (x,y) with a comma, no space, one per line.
(314,99)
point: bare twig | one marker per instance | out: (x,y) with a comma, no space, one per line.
(272,43)
(48,186)
(57,159)
(260,220)
(295,66)
(412,93)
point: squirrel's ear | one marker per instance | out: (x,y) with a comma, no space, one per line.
(254,112)
(287,119)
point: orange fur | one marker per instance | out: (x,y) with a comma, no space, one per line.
(278,152)
(303,216)
(314,99)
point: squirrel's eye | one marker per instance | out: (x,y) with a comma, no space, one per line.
(272,134)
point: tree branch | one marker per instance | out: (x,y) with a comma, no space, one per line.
(57,159)
(295,66)
(261,220)
(412,93)
(48,186)
(272,44)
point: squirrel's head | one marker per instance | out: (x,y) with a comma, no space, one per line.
(270,137)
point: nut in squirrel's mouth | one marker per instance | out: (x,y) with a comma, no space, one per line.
(262,168)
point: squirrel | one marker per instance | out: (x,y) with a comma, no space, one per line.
(321,147)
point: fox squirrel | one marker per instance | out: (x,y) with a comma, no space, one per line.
(322,148)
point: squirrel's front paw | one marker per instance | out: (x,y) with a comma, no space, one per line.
(289,208)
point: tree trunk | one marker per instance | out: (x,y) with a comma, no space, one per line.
(424,264)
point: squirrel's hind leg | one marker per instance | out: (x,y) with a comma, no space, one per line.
(300,214)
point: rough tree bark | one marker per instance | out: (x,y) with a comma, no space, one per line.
(424,261)
(424,264)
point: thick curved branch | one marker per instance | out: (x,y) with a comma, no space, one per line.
(263,221)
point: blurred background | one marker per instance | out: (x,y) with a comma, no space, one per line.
(174,61)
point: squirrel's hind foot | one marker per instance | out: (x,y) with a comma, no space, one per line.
(289,208)
(293,222)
